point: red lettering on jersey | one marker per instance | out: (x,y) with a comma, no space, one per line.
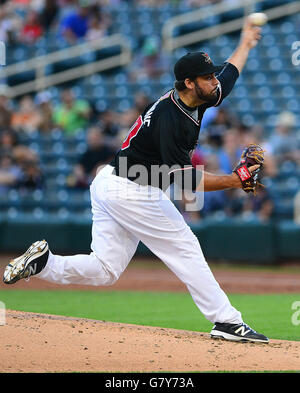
(132,132)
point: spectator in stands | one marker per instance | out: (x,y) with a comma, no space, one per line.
(212,202)
(5,26)
(255,135)
(260,205)
(127,118)
(283,144)
(5,108)
(225,118)
(9,173)
(208,117)
(32,29)
(97,153)
(150,62)
(49,14)
(141,101)
(19,164)
(25,117)
(108,121)
(74,25)
(230,152)
(23,153)
(95,29)
(234,202)
(71,114)
(45,111)
(8,141)
(218,127)
(98,23)
(30,175)
(10,23)
(217,200)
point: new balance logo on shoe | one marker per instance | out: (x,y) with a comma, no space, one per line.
(32,269)
(242,331)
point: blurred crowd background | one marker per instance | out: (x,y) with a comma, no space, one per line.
(52,141)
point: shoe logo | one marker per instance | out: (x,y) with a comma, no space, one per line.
(242,331)
(32,269)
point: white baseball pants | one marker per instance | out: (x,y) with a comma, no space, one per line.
(125,213)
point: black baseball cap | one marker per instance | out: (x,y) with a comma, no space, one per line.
(194,64)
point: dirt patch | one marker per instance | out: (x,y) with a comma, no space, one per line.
(45,343)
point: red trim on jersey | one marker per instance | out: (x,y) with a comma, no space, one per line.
(132,132)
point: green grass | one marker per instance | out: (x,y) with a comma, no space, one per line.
(270,314)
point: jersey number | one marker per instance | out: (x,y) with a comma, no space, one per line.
(132,132)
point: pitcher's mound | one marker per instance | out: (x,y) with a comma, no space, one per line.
(47,343)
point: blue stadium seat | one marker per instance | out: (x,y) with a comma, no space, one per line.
(102,105)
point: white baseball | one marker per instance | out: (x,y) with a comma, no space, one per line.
(258,18)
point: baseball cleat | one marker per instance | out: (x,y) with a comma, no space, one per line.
(29,264)
(237,332)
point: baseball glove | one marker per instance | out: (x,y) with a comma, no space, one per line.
(252,155)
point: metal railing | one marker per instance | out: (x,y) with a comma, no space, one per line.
(39,64)
(171,43)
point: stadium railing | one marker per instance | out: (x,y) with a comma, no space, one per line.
(41,63)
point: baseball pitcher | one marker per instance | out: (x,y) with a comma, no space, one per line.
(129,202)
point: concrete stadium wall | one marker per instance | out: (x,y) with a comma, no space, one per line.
(228,240)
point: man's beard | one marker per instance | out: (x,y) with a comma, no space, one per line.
(209,98)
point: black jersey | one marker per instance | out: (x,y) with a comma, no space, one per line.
(159,144)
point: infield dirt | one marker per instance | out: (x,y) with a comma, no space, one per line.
(46,343)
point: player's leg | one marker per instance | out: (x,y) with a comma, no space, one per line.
(112,249)
(159,225)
